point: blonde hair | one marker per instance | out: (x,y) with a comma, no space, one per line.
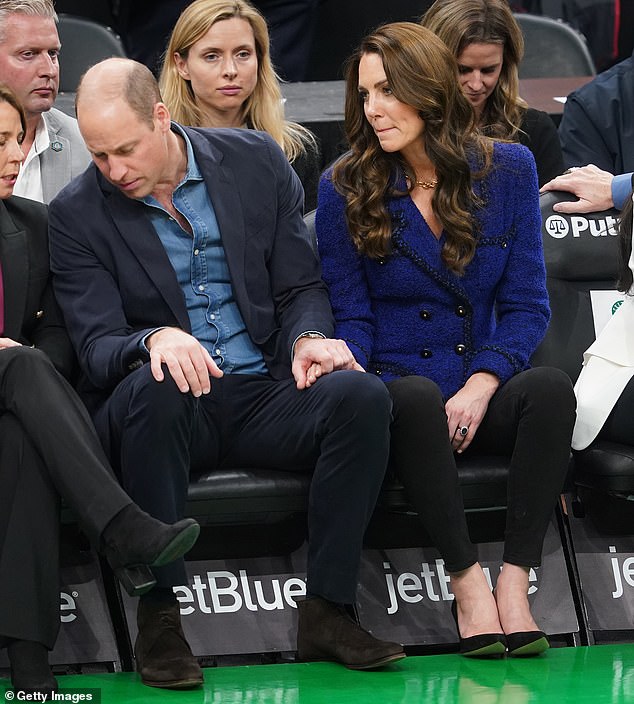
(460,23)
(32,8)
(263,109)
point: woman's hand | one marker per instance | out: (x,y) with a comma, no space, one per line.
(8,342)
(316,357)
(466,408)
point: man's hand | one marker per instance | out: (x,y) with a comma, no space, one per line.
(8,342)
(466,408)
(591,185)
(188,362)
(315,357)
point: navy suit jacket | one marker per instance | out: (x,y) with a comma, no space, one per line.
(31,314)
(115,283)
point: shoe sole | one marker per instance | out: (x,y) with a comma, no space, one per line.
(535,648)
(376,663)
(493,650)
(178,546)
(174,684)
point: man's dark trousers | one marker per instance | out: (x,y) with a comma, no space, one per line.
(338,429)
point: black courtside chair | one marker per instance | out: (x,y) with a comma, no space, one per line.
(552,48)
(581,258)
(84,43)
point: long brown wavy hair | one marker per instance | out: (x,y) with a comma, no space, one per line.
(421,72)
(460,23)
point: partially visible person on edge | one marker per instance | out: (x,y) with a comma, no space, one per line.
(217,72)
(605,387)
(48,445)
(430,241)
(597,124)
(488,45)
(595,189)
(192,294)
(29,48)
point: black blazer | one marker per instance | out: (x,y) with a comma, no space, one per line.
(115,283)
(31,314)
(539,134)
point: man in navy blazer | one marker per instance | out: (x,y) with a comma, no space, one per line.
(192,294)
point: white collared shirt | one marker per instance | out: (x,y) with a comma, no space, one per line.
(29,183)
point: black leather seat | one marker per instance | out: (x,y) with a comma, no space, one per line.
(581,256)
(552,48)
(84,43)
(247,495)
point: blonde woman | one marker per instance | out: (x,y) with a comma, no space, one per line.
(217,72)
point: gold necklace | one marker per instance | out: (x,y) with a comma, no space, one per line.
(432,183)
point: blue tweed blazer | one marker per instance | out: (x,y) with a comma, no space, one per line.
(408,314)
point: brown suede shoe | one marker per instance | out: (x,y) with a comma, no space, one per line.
(326,632)
(163,656)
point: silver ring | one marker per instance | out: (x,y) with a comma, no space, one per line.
(463,430)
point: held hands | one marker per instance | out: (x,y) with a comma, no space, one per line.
(8,342)
(315,357)
(591,185)
(188,362)
(466,408)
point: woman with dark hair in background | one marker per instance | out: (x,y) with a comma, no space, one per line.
(48,446)
(430,240)
(488,45)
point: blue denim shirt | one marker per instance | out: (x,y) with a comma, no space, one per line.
(202,272)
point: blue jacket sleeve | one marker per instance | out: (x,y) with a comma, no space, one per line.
(344,273)
(521,305)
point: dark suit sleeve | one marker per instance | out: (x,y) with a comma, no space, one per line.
(582,140)
(49,335)
(300,295)
(38,321)
(107,345)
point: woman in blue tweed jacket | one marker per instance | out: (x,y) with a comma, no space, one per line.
(430,243)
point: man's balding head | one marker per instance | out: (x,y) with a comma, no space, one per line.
(127,128)
(123,79)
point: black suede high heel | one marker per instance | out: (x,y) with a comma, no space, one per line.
(136,580)
(483,645)
(523,644)
(134,541)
